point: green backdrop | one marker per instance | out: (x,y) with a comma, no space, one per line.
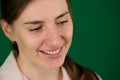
(96,42)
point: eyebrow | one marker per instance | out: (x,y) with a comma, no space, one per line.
(61,15)
(39,22)
(33,22)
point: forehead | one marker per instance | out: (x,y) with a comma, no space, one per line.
(43,9)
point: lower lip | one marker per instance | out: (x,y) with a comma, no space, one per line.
(52,56)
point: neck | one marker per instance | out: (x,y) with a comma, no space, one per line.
(38,73)
(46,75)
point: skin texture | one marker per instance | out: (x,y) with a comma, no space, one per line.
(44,26)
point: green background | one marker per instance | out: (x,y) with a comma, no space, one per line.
(96,42)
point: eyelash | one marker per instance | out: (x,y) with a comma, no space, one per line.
(36,29)
(62,22)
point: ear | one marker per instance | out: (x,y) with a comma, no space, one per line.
(7,29)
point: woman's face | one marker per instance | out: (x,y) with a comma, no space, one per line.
(43,33)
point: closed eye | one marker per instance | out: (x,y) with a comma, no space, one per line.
(37,29)
(62,22)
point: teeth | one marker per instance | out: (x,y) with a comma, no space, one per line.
(52,52)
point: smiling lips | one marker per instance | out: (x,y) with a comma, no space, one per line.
(51,52)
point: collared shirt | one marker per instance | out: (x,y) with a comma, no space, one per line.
(10,71)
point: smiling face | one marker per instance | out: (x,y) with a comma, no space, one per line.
(43,33)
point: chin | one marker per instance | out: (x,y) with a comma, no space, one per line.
(55,64)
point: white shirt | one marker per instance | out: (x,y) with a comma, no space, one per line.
(10,71)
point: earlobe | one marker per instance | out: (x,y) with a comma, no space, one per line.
(6,29)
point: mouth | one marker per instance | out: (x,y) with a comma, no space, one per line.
(51,52)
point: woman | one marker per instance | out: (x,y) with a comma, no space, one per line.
(41,32)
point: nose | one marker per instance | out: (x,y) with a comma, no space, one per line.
(54,39)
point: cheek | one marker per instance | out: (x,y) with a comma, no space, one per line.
(67,33)
(24,41)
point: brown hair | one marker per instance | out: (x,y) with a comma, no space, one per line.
(11,9)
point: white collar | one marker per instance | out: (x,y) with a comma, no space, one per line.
(10,71)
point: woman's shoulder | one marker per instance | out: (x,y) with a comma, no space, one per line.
(9,69)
